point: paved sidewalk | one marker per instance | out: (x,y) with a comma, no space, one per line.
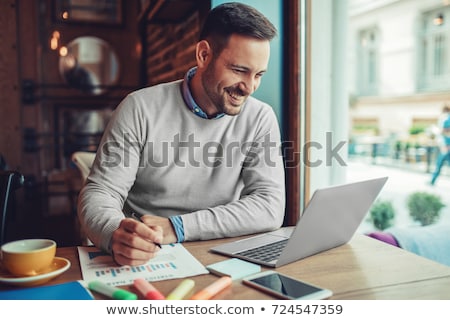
(401,183)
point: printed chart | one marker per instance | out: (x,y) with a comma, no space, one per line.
(172,261)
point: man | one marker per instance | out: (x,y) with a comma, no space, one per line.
(443,142)
(199,158)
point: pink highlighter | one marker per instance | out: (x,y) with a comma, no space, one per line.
(147,290)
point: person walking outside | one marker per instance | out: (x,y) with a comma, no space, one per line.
(444,143)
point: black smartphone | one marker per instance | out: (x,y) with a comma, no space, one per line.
(285,287)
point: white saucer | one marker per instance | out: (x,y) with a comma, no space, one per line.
(58,266)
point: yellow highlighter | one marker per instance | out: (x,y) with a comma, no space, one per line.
(181,290)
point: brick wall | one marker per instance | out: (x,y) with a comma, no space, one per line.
(10,135)
(171,49)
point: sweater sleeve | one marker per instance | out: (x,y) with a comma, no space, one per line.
(102,198)
(262,202)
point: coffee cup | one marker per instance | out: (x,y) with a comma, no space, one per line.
(28,257)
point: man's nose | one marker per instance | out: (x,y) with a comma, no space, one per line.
(248,85)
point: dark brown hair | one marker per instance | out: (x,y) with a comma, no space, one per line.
(235,18)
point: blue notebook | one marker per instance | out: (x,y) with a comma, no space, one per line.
(64,291)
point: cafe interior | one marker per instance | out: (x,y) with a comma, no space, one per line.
(66,64)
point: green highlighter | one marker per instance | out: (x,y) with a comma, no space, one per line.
(110,291)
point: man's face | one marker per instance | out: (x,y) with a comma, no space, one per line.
(235,74)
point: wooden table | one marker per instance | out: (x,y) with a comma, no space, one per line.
(364,268)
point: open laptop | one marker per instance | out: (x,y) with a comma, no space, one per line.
(330,219)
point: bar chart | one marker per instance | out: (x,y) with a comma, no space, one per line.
(173,261)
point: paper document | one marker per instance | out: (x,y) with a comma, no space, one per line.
(171,262)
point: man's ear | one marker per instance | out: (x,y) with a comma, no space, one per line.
(203,53)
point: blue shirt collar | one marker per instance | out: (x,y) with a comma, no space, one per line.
(190,102)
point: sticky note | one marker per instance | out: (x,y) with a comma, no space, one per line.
(234,268)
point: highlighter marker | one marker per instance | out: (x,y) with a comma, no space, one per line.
(111,291)
(147,290)
(181,290)
(138,217)
(213,289)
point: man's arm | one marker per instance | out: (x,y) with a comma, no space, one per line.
(262,202)
(102,198)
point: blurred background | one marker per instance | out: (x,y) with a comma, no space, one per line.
(376,74)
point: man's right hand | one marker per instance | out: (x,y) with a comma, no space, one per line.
(134,243)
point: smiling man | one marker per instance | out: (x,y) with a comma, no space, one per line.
(197,158)
(224,81)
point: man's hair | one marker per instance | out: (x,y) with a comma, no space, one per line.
(235,18)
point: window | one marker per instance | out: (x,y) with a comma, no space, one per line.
(368,62)
(434,51)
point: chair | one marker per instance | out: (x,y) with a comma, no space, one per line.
(432,242)
(9,182)
(83,160)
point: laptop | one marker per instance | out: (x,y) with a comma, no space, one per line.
(330,219)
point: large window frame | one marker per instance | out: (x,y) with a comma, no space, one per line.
(368,61)
(295,101)
(434,50)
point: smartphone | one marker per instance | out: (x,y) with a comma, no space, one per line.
(285,287)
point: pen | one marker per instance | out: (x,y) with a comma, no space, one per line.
(213,289)
(147,290)
(138,216)
(181,290)
(111,291)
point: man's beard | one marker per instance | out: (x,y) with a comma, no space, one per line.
(219,101)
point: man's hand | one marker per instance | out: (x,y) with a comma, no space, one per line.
(168,231)
(134,243)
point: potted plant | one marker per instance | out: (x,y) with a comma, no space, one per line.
(397,149)
(424,207)
(382,214)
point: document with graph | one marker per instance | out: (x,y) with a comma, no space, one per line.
(172,261)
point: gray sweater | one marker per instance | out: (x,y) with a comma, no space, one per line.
(224,177)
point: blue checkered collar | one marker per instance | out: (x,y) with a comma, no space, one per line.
(190,102)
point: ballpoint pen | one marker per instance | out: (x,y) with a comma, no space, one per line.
(138,216)
(110,291)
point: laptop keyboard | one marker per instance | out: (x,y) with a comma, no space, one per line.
(266,253)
